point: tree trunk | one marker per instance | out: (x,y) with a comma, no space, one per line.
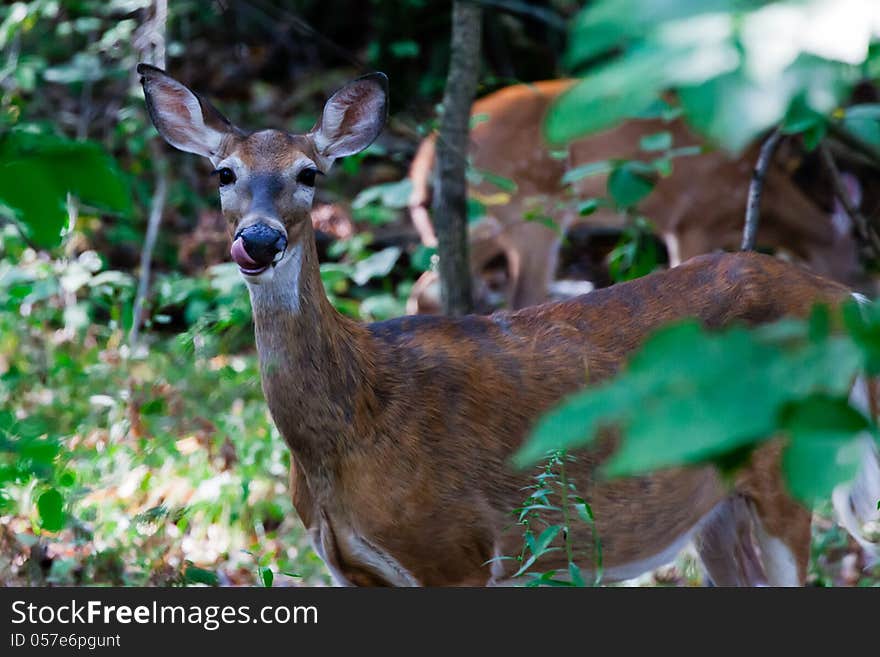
(450,188)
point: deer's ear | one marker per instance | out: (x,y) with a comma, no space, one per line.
(185,120)
(353,117)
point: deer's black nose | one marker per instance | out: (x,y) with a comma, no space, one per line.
(262,243)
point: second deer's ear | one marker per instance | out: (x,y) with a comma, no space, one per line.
(185,120)
(353,117)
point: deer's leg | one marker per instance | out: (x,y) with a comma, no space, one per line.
(538,253)
(785,553)
(781,524)
(727,548)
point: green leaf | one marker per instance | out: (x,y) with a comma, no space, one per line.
(404,49)
(589,206)
(545,539)
(50,506)
(476,176)
(588,170)
(865,129)
(628,184)
(378,307)
(526,565)
(267,576)
(635,255)
(422,258)
(377,265)
(659,141)
(607,24)
(597,103)
(819,323)
(38,171)
(391,195)
(735,108)
(824,449)
(585,511)
(195,575)
(870,111)
(574,572)
(863,324)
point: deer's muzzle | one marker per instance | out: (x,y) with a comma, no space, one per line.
(256,247)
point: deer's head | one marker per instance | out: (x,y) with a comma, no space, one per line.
(266,178)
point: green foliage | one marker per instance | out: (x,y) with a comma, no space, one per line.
(51,508)
(630,182)
(825,447)
(636,253)
(863,121)
(739,67)
(378,204)
(548,527)
(92,438)
(38,171)
(195,575)
(478,176)
(691,396)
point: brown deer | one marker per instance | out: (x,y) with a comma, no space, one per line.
(401,432)
(696,210)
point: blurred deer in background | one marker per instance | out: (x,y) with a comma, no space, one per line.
(401,432)
(700,208)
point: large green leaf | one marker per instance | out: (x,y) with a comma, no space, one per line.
(603,25)
(38,170)
(690,395)
(376,265)
(824,448)
(630,183)
(730,86)
(606,96)
(50,506)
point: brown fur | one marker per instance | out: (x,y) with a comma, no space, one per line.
(698,209)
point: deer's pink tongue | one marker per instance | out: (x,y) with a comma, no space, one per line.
(241,257)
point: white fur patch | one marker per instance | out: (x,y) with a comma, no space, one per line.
(496,568)
(363,553)
(278,287)
(317,545)
(779,563)
(673,248)
(861,298)
(369,554)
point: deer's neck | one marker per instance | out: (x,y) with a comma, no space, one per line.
(312,360)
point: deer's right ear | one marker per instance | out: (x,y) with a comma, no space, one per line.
(185,120)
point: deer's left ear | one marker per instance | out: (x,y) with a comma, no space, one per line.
(353,117)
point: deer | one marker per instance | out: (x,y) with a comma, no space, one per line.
(697,209)
(401,432)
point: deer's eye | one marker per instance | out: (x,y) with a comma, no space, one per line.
(307,177)
(226,176)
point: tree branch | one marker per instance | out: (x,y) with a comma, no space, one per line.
(153,36)
(753,205)
(865,230)
(450,199)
